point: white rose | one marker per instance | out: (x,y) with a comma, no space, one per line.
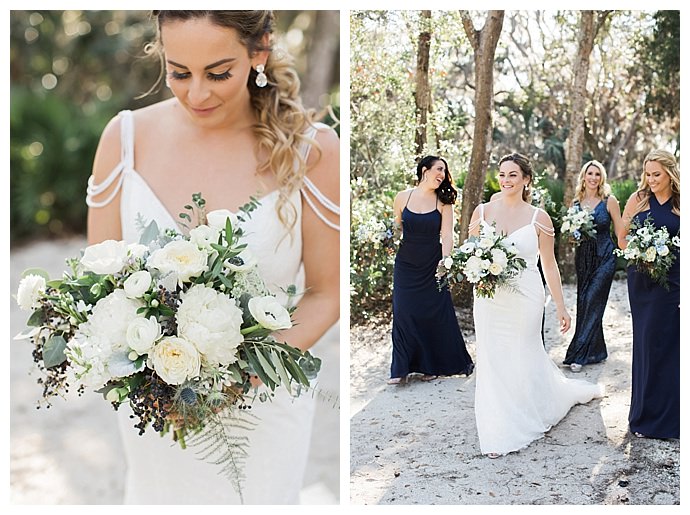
(175,360)
(137,250)
(108,257)
(243,261)
(212,322)
(181,257)
(137,284)
(29,291)
(203,236)
(448,263)
(218,217)
(495,269)
(269,313)
(650,254)
(142,333)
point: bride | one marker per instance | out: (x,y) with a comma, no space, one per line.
(235,128)
(520,392)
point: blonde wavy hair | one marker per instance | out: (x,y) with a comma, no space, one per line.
(283,120)
(670,166)
(604,188)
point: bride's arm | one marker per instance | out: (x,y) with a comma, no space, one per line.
(550,267)
(103,223)
(319,308)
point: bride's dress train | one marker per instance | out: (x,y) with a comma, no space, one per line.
(520,392)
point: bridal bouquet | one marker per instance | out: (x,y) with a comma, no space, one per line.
(175,326)
(650,250)
(577,223)
(486,260)
(377,232)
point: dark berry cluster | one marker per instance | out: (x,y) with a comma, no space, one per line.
(151,402)
(171,300)
(54,380)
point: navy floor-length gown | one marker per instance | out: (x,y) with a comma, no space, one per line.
(426,335)
(655,403)
(595,265)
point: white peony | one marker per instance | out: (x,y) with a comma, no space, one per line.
(175,360)
(104,258)
(110,319)
(269,313)
(243,261)
(203,235)
(212,322)
(29,291)
(218,217)
(142,333)
(137,284)
(181,257)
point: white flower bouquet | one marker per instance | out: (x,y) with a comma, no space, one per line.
(175,326)
(650,250)
(486,260)
(577,224)
(376,232)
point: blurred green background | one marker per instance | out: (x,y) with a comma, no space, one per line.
(72,71)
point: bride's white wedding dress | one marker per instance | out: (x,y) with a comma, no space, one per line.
(158,471)
(520,392)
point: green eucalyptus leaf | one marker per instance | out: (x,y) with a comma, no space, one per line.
(54,351)
(150,233)
(37,319)
(36,271)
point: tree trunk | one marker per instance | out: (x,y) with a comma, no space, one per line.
(484,43)
(624,141)
(422,92)
(588,31)
(321,58)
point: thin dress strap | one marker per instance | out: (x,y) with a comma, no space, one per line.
(549,231)
(322,199)
(472,226)
(409,197)
(126,162)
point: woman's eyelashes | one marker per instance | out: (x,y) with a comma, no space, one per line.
(212,76)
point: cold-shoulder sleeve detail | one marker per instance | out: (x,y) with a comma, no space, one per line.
(126,161)
(323,201)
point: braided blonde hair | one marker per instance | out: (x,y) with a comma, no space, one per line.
(282,119)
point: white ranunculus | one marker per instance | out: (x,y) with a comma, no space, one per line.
(269,313)
(218,217)
(175,360)
(110,319)
(448,262)
(137,250)
(108,257)
(29,291)
(142,333)
(203,236)
(181,257)
(495,269)
(212,322)
(243,261)
(650,254)
(137,284)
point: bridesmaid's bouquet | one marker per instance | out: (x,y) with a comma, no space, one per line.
(650,250)
(377,233)
(486,260)
(174,326)
(577,224)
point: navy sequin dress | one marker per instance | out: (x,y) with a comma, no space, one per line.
(426,335)
(595,265)
(655,403)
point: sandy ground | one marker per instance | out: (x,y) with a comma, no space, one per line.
(71,453)
(418,444)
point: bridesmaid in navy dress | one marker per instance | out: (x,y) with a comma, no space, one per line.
(655,403)
(595,265)
(426,335)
